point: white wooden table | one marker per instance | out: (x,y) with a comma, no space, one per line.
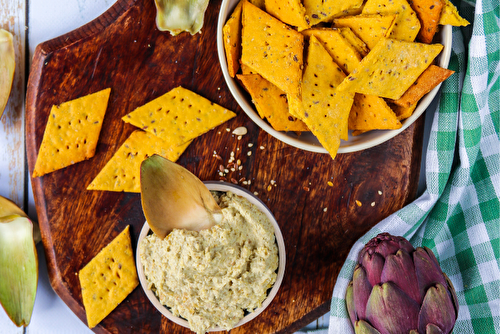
(32,22)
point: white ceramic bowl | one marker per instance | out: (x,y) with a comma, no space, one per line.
(224,187)
(307,141)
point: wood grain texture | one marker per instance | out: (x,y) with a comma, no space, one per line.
(123,50)
(12,164)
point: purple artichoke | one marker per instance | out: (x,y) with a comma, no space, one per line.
(397,289)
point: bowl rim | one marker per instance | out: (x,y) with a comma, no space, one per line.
(235,189)
(374,137)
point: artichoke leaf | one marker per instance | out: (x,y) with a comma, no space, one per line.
(362,327)
(177,16)
(7,67)
(9,208)
(437,309)
(18,268)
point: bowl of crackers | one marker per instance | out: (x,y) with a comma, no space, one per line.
(215,286)
(335,78)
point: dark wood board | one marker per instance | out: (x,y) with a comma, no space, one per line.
(122,49)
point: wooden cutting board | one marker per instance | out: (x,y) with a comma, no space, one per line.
(123,50)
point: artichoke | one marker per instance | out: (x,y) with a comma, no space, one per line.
(397,289)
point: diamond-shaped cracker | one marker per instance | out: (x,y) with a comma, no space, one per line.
(449,15)
(289,11)
(428,12)
(271,103)
(72,132)
(324,10)
(272,49)
(232,40)
(406,25)
(390,68)
(358,44)
(122,171)
(403,113)
(108,278)
(326,110)
(372,113)
(370,28)
(180,114)
(342,52)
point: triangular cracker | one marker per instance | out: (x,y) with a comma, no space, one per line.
(372,113)
(232,40)
(179,113)
(390,68)
(122,171)
(326,110)
(72,132)
(342,52)
(108,278)
(449,15)
(289,11)
(324,10)
(272,49)
(369,28)
(271,103)
(406,25)
(428,12)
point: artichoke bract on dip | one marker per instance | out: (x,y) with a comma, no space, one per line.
(213,276)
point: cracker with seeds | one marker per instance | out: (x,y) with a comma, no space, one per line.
(449,15)
(428,12)
(426,82)
(232,40)
(122,171)
(369,28)
(72,132)
(390,68)
(108,278)
(180,114)
(372,113)
(342,52)
(324,10)
(272,49)
(325,109)
(291,12)
(271,103)
(406,24)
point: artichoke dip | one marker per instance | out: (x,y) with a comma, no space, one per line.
(213,276)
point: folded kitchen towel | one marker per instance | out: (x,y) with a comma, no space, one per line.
(458,216)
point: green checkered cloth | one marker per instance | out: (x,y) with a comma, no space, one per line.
(458,216)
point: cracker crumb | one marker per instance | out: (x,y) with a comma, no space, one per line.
(269,187)
(358,203)
(330,183)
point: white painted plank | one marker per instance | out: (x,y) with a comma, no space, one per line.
(12,157)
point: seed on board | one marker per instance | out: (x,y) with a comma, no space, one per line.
(373,204)
(269,187)
(250,144)
(358,203)
(255,193)
(380,192)
(240,131)
(325,209)
(249,153)
(330,183)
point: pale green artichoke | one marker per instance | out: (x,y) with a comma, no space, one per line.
(397,289)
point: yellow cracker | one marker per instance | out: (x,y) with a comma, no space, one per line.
(406,25)
(289,11)
(72,132)
(324,10)
(259,3)
(108,278)
(272,49)
(342,52)
(179,113)
(232,40)
(326,110)
(429,79)
(449,15)
(271,103)
(358,44)
(369,28)
(390,68)
(122,171)
(245,69)
(372,113)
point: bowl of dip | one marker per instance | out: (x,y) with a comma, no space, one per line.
(306,140)
(211,270)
